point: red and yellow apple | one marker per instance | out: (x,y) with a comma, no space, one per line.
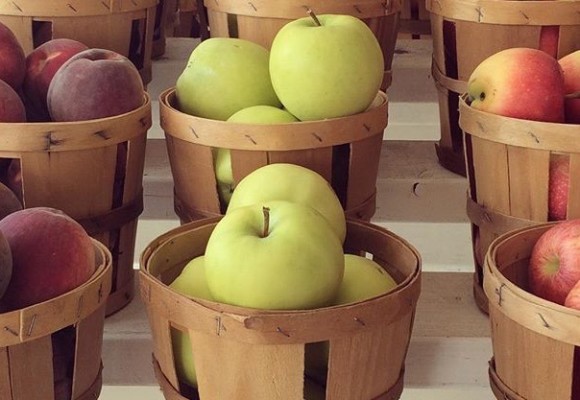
(522,83)
(555,262)
(571,68)
(558,185)
(51,253)
(95,83)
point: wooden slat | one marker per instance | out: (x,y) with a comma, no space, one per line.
(31,371)
(363,169)
(259,30)
(318,160)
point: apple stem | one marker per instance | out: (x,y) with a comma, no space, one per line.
(266,212)
(574,95)
(314,17)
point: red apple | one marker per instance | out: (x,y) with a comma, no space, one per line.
(571,68)
(41,65)
(52,254)
(573,298)
(11,106)
(558,188)
(12,58)
(555,262)
(94,83)
(520,83)
(549,39)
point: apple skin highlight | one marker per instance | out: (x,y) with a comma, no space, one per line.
(520,83)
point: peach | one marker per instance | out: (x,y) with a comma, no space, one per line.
(12,58)
(571,68)
(41,65)
(6,264)
(52,254)
(11,106)
(520,83)
(94,83)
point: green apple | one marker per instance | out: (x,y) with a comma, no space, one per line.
(259,114)
(291,182)
(326,67)
(224,75)
(190,282)
(274,255)
(363,279)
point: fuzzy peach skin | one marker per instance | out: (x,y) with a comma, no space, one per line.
(52,254)
(12,58)
(520,83)
(41,66)
(95,83)
(11,106)
(571,67)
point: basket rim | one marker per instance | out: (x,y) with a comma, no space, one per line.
(507,12)
(68,8)
(294,9)
(262,321)
(75,135)
(18,325)
(523,307)
(549,136)
(261,137)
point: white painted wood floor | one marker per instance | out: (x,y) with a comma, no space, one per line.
(417,199)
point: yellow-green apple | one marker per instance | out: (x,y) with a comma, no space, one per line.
(190,282)
(555,261)
(522,83)
(52,254)
(224,75)
(94,83)
(41,65)
(291,182)
(12,58)
(274,255)
(571,68)
(326,66)
(259,114)
(558,185)
(11,106)
(363,279)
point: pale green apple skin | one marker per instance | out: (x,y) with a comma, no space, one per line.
(363,279)
(298,265)
(190,282)
(223,76)
(522,83)
(327,71)
(284,181)
(259,114)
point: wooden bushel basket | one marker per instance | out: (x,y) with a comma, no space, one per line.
(508,165)
(535,341)
(414,22)
(345,151)
(26,352)
(119,25)
(93,171)
(164,21)
(368,340)
(260,20)
(465,32)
